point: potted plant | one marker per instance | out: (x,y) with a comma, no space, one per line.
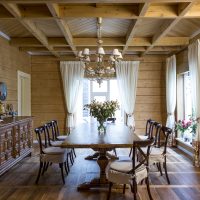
(102,111)
(183,126)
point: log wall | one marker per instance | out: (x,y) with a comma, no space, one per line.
(12,60)
(48,100)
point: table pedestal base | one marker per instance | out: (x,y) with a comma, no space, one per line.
(102,161)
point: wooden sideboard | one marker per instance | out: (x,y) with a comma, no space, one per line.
(15,141)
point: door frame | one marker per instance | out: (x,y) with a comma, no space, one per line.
(23,75)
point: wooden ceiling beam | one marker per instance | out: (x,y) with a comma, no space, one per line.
(54,9)
(108,42)
(94,1)
(155,49)
(23,42)
(29,25)
(133,27)
(161,10)
(43,49)
(122,11)
(167,26)
(93,42)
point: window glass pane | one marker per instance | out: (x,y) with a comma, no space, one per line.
(97,88)
(114,95)
(107,91)
(187,96)
(100,98)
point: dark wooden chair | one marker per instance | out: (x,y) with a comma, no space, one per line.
(50,154)
(56,143)
(159,152)
(148,131)
(131,172)
(59,137)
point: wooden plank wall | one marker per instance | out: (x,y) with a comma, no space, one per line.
(48,100)
(182,62)
(11,60)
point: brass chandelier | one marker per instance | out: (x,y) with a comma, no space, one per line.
(99,69)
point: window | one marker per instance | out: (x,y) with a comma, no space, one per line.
(187,95)
(107,91)
(184,98)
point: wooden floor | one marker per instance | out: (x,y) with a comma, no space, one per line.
(18,183)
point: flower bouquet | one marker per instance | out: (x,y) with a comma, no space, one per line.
(183,125)
(102,111)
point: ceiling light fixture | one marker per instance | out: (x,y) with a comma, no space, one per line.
(100,69)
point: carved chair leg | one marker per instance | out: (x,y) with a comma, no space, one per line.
(159,168)
(66,169)
(166,174)
(67,161)
(115,152)
(124,188)
(130,152)
(62,173)
(134,190)
(44,167)
(47,166)
(39,172)
(148,188)
(71,159)
(109,191)
(74,152)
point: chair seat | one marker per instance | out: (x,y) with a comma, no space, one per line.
(117,172)
(62,137)
(54,150)
(121,166)
(143,137)
(56,143)
(156,158)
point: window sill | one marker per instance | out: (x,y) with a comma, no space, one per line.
(185,143)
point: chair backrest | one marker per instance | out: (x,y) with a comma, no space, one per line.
(155,132)
(162,137)
(144,158)
(56,129)
(149,126)
(51,131)
(42,137)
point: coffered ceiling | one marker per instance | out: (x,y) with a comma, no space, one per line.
(62,27)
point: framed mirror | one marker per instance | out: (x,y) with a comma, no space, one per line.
(3,91)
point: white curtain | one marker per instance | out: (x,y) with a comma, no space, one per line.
(171,90)
(72,73)
(127,75)
(194,66)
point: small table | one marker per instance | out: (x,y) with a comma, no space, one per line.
(87,136)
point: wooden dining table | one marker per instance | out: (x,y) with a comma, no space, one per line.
(87,136)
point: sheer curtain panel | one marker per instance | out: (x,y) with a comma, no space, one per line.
(127,75)
(171,90)
(194,67)
(72,73)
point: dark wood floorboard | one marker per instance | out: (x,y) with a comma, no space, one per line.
(19,182)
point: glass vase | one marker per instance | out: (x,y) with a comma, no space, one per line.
(102,127)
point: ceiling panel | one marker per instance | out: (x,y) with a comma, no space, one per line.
(12,28)
(49,27)
(185,28)
(83,27)
(148,27)
(115,27)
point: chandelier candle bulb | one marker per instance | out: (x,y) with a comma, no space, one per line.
(101,51)
(120,56)
(80,55)
(86,52)
(116,52)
